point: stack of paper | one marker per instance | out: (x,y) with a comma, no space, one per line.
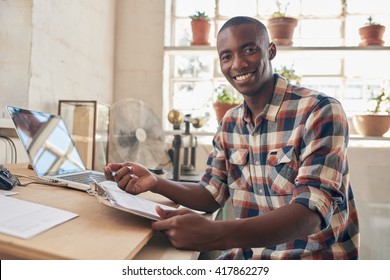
(26,219)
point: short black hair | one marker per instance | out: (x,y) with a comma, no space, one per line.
(244,20)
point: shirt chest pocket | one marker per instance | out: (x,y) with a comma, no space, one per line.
(282,169)
(238,170)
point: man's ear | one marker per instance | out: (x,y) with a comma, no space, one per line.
(271,50)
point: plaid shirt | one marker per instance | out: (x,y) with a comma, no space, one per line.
(296,152)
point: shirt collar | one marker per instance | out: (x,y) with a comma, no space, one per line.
(272,108)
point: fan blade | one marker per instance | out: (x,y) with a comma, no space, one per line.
(135,134)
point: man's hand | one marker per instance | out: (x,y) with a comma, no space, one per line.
(131,177)
(188,230)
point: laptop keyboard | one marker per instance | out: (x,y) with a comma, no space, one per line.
(85,178)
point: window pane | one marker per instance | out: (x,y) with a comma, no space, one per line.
(353,95)
(182,32)
(195,98)
(352,25)
(314,65)
(358,94)
(368,7)
(185,8)
(191,96)
(376,65)
(235,8)
(329,86)
(318,66)
(354,90)
(268,7)
(192,66)
(320,8)
(320,28)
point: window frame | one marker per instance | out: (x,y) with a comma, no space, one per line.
(341,50)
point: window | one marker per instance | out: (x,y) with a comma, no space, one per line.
(325,52)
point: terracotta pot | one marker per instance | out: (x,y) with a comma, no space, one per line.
(200,32)
(221,108)
(371,125)
(372,35)
(281,30)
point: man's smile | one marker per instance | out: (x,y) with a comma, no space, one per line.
(243,77)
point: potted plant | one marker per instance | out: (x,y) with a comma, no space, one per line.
(289,74)
(225,99)
(376,122)
(200,26)
(281,27)
(372,33)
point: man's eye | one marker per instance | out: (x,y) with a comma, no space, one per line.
(226,57)
(250,50)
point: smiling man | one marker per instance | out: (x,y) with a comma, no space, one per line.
(246,60)
(281,157)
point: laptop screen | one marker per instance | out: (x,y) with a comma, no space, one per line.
(47,142)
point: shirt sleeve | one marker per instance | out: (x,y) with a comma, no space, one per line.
(322,180)
(215,177)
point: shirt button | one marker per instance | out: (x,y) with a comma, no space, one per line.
(261,191)
(257,162)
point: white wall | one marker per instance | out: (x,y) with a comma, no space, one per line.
(72,51)
(139,51)
(55,49)
(103,50)
(15,49)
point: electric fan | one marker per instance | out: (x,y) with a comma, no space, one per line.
(135,134)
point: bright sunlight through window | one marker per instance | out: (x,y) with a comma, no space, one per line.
(325,51)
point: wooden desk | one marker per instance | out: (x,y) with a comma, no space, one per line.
(100,232)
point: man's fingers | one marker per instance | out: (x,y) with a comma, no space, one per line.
(165,214)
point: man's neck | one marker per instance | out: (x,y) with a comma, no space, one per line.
(256,103)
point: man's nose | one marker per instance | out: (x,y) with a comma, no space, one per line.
(239,62)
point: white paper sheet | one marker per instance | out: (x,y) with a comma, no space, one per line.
(26,219)
(131,203)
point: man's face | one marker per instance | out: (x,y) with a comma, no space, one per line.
(245,58)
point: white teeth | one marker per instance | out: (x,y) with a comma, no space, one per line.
(243,77)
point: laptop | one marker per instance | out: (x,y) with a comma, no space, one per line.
(51,149)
